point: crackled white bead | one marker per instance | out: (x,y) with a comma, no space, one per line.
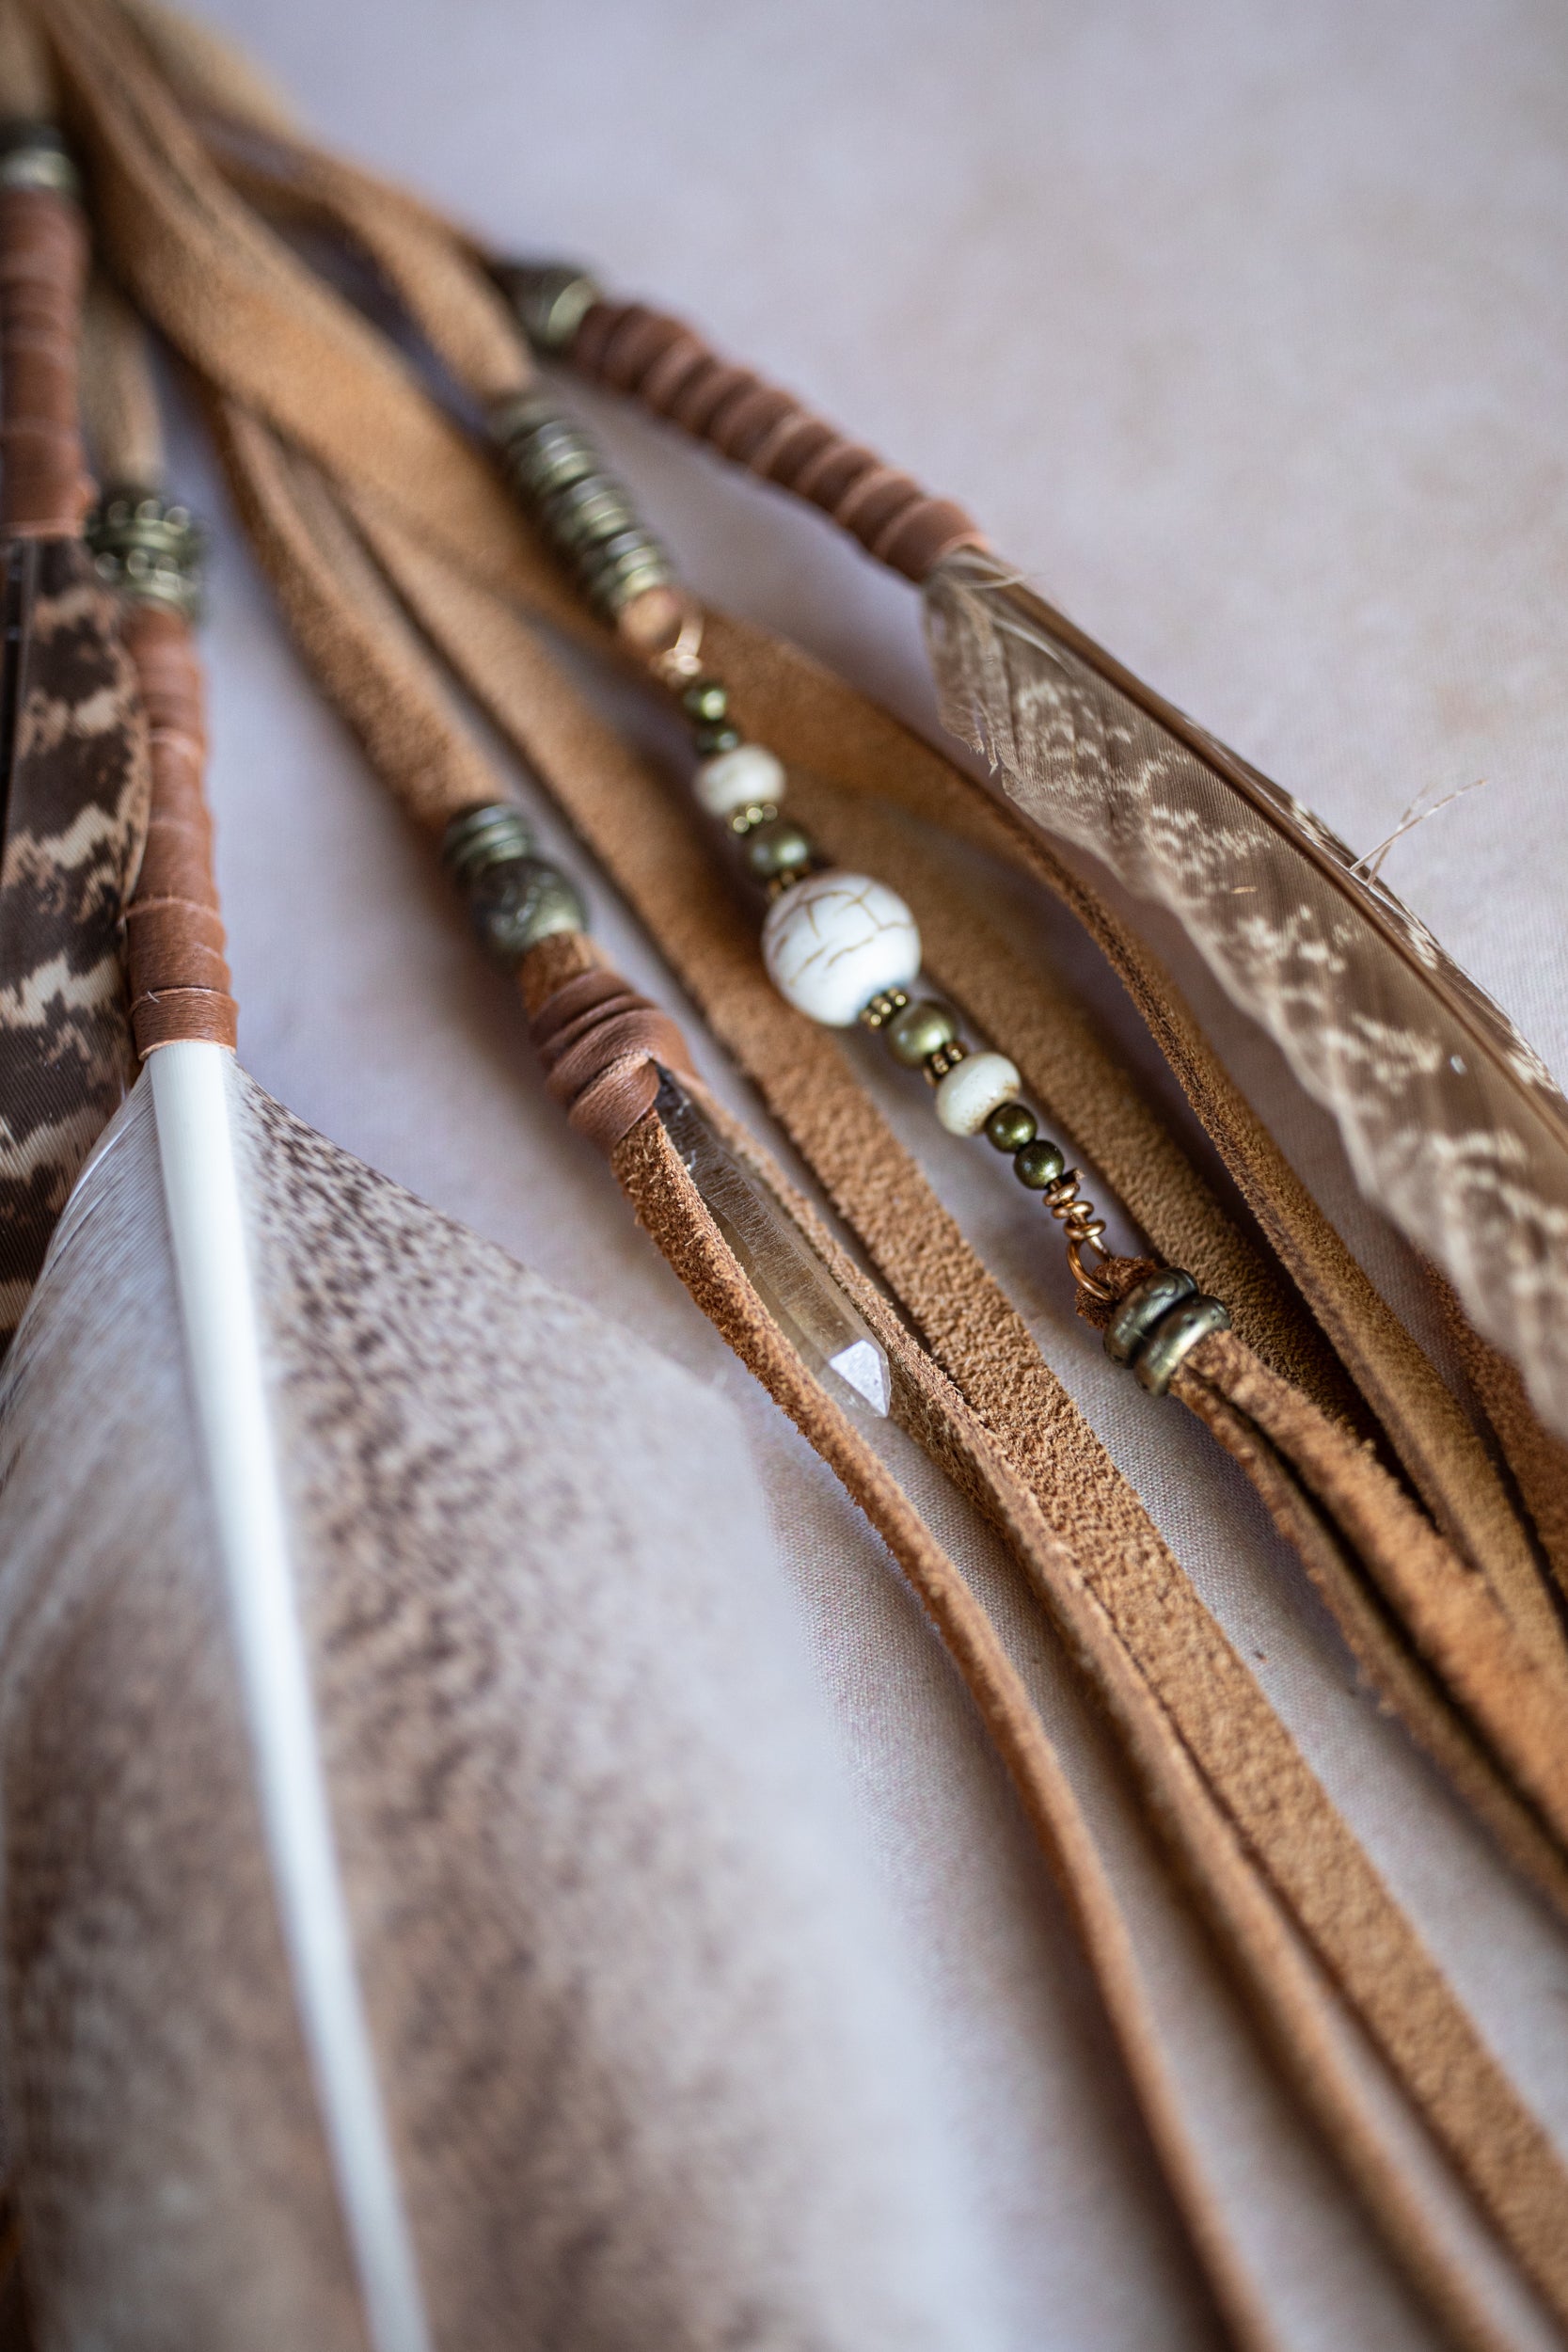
(973,1088)
(836,940)
(737,779)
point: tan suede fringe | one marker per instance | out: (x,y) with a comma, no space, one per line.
(1129,1609)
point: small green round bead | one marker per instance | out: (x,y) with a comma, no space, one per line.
(919,1031)
(718,737)
(706,701)
(779,846)
(1039,1164)
(1011,1126)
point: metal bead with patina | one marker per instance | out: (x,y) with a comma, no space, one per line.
(776,848)
(1141,1309)
(1173,1340)
(918,1031)
(1011,1126)
(514,898)
(1159,1323)
(1039,1164)
(147,548)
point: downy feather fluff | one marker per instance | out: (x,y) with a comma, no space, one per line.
(1450,1121)
(421,1925)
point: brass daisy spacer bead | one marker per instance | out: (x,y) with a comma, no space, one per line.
(946,1057)
(880,1012)
(755,813)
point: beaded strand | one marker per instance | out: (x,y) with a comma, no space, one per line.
(840,947)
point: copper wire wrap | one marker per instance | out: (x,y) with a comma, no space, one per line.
(1080,1229)
(601,1044)
(175,943)
(670,368)
(45,488)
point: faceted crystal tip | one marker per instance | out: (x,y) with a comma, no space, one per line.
(804,1298)
(864,1366)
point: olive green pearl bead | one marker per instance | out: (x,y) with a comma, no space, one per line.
(1039,1164)
(718,738)
(919,1031)
(706,700)
(1011,1126)
(777,847)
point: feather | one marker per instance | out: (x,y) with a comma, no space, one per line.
(73,760)
(316,1506)
(1450,1121)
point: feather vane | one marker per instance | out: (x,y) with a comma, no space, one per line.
(1450,1121)
(414,1900)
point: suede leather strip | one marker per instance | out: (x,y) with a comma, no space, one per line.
(672,1211)
(1454,1617)
(44,486)
(1536,1456)
(1293,2004)
(175,940)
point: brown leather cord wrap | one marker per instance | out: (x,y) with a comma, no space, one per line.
(178,977)
(601,1044)
(44,488)
(668,367)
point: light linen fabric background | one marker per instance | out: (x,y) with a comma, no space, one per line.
(1245,330)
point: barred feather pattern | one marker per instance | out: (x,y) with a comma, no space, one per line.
(75,818)
(646,2071)
(1450,1121)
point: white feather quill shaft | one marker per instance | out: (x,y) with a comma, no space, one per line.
(642,2074)
(1451,1122)
(222,1342)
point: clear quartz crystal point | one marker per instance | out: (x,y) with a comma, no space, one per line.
(789,1278)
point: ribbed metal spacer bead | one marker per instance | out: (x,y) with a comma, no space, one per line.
(551,299)
(34,155)
(491,835)
(588,517)
(148,549)
(880,1012)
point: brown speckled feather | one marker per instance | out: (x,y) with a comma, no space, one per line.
(75,777)
(642,2041)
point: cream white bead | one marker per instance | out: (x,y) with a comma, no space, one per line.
(833,941)
(973,1088)
(736,779)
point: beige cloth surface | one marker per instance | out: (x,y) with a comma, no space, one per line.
(1246,330)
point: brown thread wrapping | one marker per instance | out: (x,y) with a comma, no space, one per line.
(44,488)
(179,976)
(600,1043)
(768,431)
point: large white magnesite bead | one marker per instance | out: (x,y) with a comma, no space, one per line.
(973,1088)
(834,941)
